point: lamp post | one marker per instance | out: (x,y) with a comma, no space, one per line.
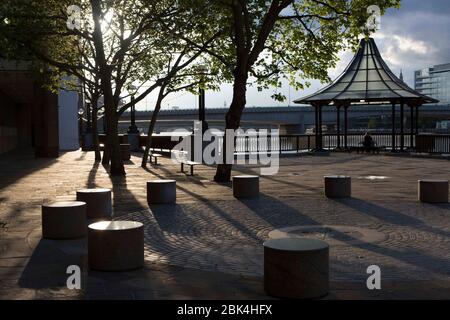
(86,136)
(133,132)
(196,152)
(80,125)
(88,118)
(132,128)
(201,102)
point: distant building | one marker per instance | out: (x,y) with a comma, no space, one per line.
(434,82)
(443,125)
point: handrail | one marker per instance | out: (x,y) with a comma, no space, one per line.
(296,143)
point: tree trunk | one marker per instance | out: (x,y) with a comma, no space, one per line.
(112,149)
(232,121)
(94,104)
(106,154)
(152,127)
(117,167)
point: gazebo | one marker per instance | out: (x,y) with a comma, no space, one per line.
(367,80)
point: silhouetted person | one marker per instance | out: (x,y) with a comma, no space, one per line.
(368,142)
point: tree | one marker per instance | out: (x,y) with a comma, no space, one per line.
(93,94)
(118,42)
(194,33)
(270,40)
(196,76)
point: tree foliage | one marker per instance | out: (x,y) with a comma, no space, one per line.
(119,42)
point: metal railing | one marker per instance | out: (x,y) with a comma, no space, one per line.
(381,139)
(433,143)
(296,143)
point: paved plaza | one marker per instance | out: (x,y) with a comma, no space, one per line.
(209,244)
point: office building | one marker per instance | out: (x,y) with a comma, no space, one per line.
(434,82)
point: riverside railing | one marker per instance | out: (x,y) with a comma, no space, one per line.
(296,143)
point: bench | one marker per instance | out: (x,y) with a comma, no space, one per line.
(374,149)
(192,164)
(181,157)
(155,156)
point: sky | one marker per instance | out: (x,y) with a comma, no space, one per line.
(411,38)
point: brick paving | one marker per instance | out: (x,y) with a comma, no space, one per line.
(210,240)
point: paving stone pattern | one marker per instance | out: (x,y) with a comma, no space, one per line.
(209,239)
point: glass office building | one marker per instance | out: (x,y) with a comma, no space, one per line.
(434,82)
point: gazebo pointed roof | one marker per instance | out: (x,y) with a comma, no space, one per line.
(367,79)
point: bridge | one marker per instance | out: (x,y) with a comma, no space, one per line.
(289,119)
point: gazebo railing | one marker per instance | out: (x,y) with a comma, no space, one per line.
(382,139)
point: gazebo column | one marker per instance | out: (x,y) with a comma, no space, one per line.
(345,126)
(417,120)
(338,124)
(393,128)
(316,131)
(411,132)
(320,128)
(402,138)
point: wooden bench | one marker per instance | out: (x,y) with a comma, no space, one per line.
(155,156)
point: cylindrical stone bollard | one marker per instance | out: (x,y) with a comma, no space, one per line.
(338,186)
(161,191)
(296,268)
(433,191)
(245,186)
(98,202)
(64,220)
(116,245)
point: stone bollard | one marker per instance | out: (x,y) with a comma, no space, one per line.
(296,268)
(338,186)
(116,245)
(98,202)
(245,186)
(433,191)
(161,191)
(64,220)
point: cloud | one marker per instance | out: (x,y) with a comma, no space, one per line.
(411,38)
